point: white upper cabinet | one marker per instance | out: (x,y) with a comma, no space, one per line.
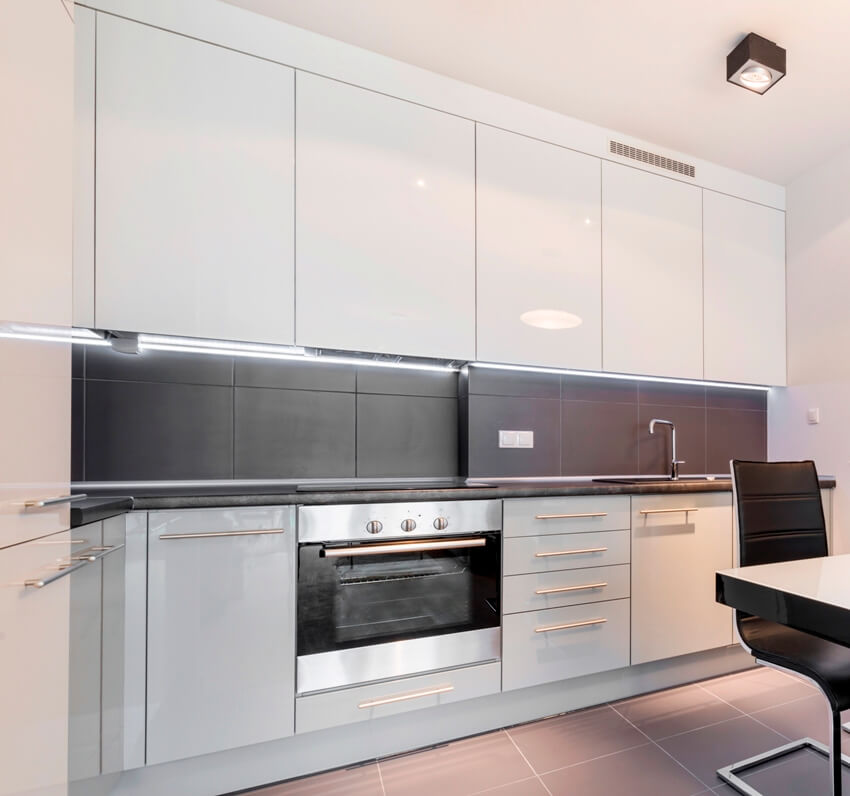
(385,224)
(539,270)
(194,187)
(651,274)
(744,249)
(36,95)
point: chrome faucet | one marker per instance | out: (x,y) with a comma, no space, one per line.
(674,464)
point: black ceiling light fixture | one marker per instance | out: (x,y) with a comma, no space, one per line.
(756,64)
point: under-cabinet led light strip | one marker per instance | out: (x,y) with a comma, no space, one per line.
(620,376)
(50,334)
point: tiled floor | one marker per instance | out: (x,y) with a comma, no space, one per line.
(668,743)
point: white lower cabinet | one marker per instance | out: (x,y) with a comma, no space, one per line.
(678,544)
(344,706)
(221,632)
(34,668)
(559,643)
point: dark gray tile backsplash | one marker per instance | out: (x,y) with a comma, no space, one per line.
(171,415)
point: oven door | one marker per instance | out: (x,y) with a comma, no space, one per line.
(376,611)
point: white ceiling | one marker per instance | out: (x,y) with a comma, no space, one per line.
(654,69)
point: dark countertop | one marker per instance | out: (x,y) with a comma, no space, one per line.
(221,496)
(94,509)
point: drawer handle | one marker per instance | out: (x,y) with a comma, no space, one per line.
(64,569)
(586,623)
(561,589)
(391,548)
(667,511)
(54,501)
(216,534)
(572,552)
(374,703)
(569,516)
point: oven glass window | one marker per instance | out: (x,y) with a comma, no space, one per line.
(351,601)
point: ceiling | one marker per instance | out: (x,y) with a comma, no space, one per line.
(654,70)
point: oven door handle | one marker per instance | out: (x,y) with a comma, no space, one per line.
(390,548)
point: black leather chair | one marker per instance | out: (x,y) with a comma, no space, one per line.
(779,517)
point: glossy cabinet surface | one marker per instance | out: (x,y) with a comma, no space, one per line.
(675,556)
(37,95)
(34,669)
(538,250)
(651,274)
(744,251)
(536,592)
(194,187)
(221,635)
(559,643)
(555,515)
(554,552)
(35,429)
(373,701)
(385,253)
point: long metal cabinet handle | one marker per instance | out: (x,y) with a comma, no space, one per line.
(569,516)
(667,511)
(571,552)
(586,623)
(105,550)
(65,569)
(216,534)
(54,501)
(401,547)
(561,589)
(373,703)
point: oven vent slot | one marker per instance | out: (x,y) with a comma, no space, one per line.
(651,158)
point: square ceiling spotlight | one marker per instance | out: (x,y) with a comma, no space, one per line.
(756,64)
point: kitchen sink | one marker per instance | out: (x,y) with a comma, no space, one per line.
(660,479)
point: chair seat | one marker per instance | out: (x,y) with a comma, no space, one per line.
(826,663)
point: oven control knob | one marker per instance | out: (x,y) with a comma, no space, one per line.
(408,525)
(441,523)
(373,526)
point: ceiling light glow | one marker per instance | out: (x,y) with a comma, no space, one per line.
(550,319)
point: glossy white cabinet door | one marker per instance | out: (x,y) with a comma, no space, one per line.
(539,249)
(34,669)
(675,556)
(744,248)
(651,274)
(36,95)
(194,187)
(35,437)
(221,630)
(385,224)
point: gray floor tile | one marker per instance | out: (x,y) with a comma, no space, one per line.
(462,767)
(758,689)
(675,711)
(525,787)
(574,738)
(807,717)
(644,771)
(703,751)
(362,781)
(803,773)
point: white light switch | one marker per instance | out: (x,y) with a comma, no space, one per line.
(813,416)
(525,439)
(508,439)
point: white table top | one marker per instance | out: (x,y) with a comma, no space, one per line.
(826,580)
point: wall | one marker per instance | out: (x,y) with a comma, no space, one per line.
(593,426)
(818,246)
(183,416)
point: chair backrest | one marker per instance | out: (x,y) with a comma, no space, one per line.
(779,512)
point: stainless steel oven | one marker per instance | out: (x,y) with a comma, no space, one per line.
(393,589)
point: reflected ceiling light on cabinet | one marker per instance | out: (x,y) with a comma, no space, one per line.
(550,319)
(756,64)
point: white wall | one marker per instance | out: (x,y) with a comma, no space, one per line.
(818,263)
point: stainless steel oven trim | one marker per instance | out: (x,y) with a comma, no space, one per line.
(397,548)
(325,671)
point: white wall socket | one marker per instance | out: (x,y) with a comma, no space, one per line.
(516,439)
(813,416)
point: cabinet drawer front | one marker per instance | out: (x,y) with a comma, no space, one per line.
(565,551)
(534,516)
(570,587)
(545,646)
(224,522)
(332,708)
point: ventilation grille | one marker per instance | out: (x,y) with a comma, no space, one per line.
(659,161)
